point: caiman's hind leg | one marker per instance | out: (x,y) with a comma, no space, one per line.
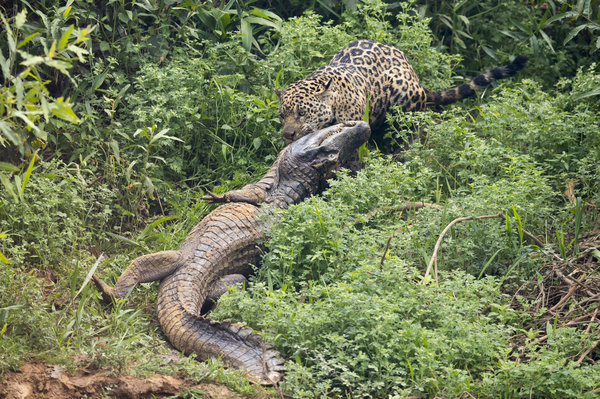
(143,269)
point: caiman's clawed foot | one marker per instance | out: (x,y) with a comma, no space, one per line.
(248,194)
(213,198)
(104,288)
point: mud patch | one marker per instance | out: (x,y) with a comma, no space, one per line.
(35,380)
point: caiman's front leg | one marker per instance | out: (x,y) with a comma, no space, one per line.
(143,269)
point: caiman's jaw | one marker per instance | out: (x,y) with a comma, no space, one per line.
(333,146)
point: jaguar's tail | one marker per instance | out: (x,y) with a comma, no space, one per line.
(449,96)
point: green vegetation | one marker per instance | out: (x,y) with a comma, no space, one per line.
(114,119)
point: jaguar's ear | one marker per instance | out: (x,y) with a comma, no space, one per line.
(326,89)
(279,93)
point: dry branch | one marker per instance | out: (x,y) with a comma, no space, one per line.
(436,248)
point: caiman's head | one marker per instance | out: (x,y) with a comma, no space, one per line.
(305,164)
(330,148)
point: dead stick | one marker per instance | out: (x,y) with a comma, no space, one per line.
(436,248)
(387,247)
(564,299)
(591,348)
(587,330)
(567,280)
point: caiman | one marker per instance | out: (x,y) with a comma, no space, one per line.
(225,244)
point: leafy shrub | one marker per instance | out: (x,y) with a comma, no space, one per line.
(335,292)
(308,42)
(219,128)
(347,309)
(375,333)
(25,100)
(51,214)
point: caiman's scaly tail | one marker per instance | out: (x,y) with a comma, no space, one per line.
(449,96)
(235,344)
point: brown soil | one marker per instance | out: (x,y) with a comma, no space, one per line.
(35,380)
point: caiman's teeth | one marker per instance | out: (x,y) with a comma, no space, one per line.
(332,132)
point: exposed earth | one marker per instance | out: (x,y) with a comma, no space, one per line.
(35,380)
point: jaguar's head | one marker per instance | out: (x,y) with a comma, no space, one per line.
(305,107)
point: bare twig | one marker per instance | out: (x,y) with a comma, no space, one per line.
(387,247)
(564,299)
(436,248)
(587,330)
(587,352)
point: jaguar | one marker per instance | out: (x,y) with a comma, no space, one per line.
(367,72)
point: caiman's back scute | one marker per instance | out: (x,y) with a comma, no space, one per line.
(224,244)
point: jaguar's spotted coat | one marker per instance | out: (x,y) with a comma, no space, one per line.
(363,70)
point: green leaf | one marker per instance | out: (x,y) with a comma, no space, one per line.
(247,37)
(593,92)
(363,152)
(464,19)
(149,186)
(7,28)
(64,111)
(489,52)
(574,33)
(123,17)
(5,65)
(28,121)
(8,167)
(79,51)
(52,49)
(160,135)
(9,133)
(31,60)
(259,12)
(114,145)
(27,174)
(129,170)
(27,39)
(66,11)
(62,66)
(547,40)
(512,35)
(98,80)
(19,89)
(262,21)
(20,18)
(88,277)
(558,17)
(8,186)
(17,185)
(519,223)
(152,225)
(124,239)
(256,143)
(224,150)
(64,39)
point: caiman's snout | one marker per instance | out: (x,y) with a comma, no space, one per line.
(333,145)
(347,134)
